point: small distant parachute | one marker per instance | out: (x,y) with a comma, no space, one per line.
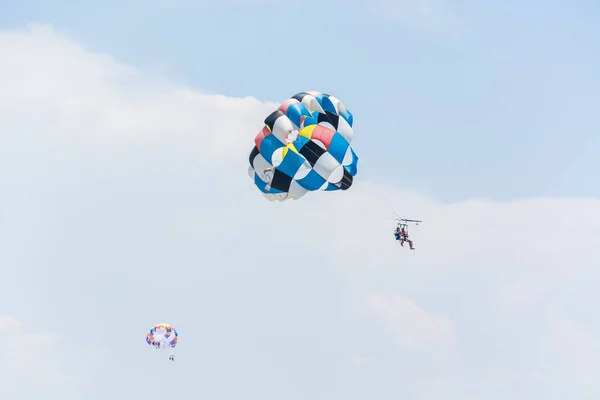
(304,146)
(162,337)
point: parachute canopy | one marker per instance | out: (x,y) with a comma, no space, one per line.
(304,146)
(162,336)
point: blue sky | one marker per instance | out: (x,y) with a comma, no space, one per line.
(477,99)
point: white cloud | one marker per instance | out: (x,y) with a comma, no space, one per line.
(412,327)
(125,202)
(78,96)
(569,351)
(29,362)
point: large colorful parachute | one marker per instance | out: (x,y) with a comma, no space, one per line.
(163,336)
(304,146)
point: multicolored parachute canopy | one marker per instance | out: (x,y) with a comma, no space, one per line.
(162,335)
(304,146)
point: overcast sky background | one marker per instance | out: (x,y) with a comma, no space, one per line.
(124,134)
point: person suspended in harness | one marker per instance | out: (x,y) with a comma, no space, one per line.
(401,234)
